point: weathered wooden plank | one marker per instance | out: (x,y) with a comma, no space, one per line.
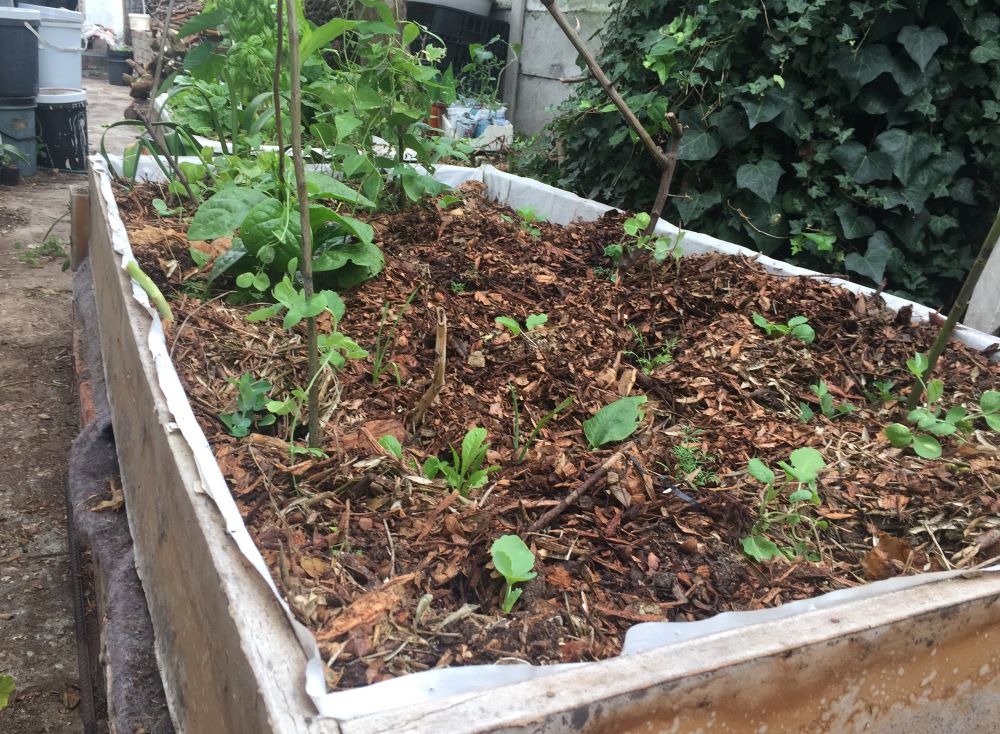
(228,657)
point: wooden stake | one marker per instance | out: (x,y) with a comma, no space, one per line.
(440,362)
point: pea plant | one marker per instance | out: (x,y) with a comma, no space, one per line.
(514,561)
(826,405)
(784,527)
(534,321)
(797,326)
(930,423)
(637,242)
(251,406)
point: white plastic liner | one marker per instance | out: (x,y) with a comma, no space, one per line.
(560,207)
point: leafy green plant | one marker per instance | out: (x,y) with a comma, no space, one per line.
(528,219)
(534,321)
(6,690)
(51,249)
(467,470)
(457,287)
(928,425)
(693,462)
(521,449)
(797,326)
(250,402)
(826,406)
(660,247)
(514,561)
(481,76)
(859,133)
(385,341)
(614,422)
(10,154)
(649,359)
(783,508)
(882,393)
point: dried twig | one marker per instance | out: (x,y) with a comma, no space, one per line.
(440,361)
(584,487)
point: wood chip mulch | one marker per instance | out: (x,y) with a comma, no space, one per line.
(392,571)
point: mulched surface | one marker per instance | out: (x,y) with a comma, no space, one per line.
(391,571)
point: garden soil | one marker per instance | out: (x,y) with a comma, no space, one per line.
(392,571)
(38,420)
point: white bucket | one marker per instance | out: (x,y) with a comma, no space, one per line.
(138,22)
(60,47)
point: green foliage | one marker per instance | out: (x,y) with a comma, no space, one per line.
(521,450)
(649,358)
(385,341)
(250,402)
(51,249)
(6,690)
(513,560)
(614,422)
(783,509)
(826,406)
(466,470)
(693,462)
(928,425)
(534,321)
(845,134)
(10,154)
(797,326)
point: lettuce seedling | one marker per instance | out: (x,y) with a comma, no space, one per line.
(514,561)
(466,470)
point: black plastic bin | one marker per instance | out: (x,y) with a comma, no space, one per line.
(459,30)
(118,65)
(18,53)
(61,121)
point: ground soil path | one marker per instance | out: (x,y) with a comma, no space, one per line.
(38,420)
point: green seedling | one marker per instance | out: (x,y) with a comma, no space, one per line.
(385,341)
(798,489)
(162,210)
(927,425)
(297,307)
(797,326)
(391,444)
(520,451)
(660,247)
(514,561)
(614,422)
(251,400)
(693,462)
(50,249)
(882,393)
(6,690)
(457,287)
(649,359)
(826,406)
(533,322)
(466,470)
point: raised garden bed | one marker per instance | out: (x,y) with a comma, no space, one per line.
(357,540)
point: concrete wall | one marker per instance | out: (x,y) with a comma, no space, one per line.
(532,84)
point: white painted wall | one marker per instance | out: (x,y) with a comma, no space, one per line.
(108,13)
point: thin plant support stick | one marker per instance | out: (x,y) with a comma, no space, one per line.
(956,312)
(305,266)
(276,94)
(440,362)
(665,162)
(155,135)
(164,40)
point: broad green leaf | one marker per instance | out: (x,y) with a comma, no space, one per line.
(804,333)
(614,422)
(321,37)
(513,559)
(922,418)
(926,447)
(956,414)
(510,324)
(391,444)
(908,153)
(760,321)
(347,265)
(760,548)
(800,495)
(989,402)
(760,471)
(917,364)
(698,145)
(6,690)
(346,124)
(534,321)
(992,420)
(696,203)
(474,447)
(223,213)
(202,22)
(806,463)
(935,389)
(761,178)
(271,223)
(899,435)
(862,165)
(763,109)
(865,64)
(942,428)
(322,186)
(872,264)
(922,44)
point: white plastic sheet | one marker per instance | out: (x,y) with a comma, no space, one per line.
(556,206)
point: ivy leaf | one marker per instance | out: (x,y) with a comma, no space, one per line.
(730,124)
(876,257)
(852,224)
(614,422)
(698,145)
(862,165)
(922,44)
(907,152)
(696,204)
(868,63)
(761,178)
(764,109)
